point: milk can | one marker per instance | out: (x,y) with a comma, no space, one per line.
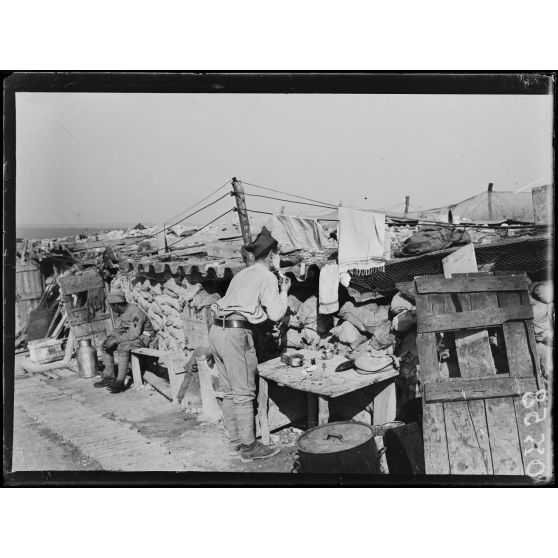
(88,365)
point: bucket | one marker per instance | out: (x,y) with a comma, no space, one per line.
(88,365)
(338,447)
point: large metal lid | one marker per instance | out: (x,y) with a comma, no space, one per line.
(334,437)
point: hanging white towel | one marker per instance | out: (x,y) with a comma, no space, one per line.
(361,241)
(329,289)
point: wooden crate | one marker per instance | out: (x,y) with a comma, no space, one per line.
(29,290)
(476,420)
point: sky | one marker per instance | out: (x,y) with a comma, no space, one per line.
(94,158)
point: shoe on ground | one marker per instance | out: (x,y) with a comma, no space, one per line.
(116,387)
(234,450)
(104,382)
(257,451)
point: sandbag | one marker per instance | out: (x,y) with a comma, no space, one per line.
(404,321)
(544,292)
(348,334)
(383,336)
(166,300)
(365,317)
(308,316)
(542,321)
(294,303)
(399,304)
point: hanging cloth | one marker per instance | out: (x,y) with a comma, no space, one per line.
(299,233)
(361,241)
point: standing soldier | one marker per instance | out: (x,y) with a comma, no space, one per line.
(253,296)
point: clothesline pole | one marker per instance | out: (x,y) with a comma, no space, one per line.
(243,219)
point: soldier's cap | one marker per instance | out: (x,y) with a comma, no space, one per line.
(262,243)
(116,296)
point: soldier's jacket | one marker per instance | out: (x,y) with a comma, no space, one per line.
(131,324)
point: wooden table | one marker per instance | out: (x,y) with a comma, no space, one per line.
(323,385)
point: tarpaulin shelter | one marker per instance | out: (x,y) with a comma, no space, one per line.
(487,207)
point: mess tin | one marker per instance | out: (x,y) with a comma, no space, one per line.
(293,359)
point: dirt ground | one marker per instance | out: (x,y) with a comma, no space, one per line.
(65,423)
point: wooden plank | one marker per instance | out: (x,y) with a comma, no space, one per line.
(477,388)
(464,449)
(158,384)
(263,408)
(149,352)
(474,319)
(81,281)
(520,359)
(211,409)
(323,410)
(429,367)
(430,284)
(535,434)
(462,260)
(504,438)
(136,370)
(436,458)
(477,412)
(384,402)
(175,366)
(312,410)
(474,354)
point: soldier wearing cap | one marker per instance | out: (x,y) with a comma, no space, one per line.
(254,296)
(133,331)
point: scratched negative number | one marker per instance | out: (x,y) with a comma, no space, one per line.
(533,447)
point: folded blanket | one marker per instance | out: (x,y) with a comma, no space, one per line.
(361,241)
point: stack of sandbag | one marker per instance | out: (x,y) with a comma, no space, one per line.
(164,305)
(362,327)
(542,301)
(305,325)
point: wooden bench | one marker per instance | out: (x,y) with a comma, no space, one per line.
(173,361)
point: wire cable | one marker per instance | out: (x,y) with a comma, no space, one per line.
(287,201)
(286,193)
(190,215)
(198,202)
(206,225)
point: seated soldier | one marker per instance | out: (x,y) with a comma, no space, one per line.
(133,331)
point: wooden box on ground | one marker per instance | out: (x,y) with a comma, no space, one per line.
(45,350)
(476,419)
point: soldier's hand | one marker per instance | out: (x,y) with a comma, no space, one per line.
(286,284)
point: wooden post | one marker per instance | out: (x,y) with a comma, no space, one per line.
(263,401)
(323,410)
(210,406)
(136,371)
(490,185)
(407,198)
(243,218)
(312,410)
